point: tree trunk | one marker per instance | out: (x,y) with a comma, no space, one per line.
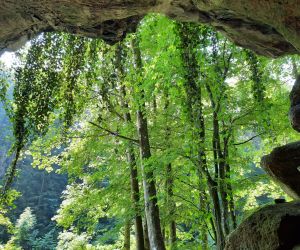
(171,206)
(135,193)
(220,241)
(229,186)
(126,245)
(219,159)
(232,206)
(151,206)
(213,191)
(189,34)
(203,208)
(146,237)
(138,222)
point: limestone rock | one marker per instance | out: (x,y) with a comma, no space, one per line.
(283,165)
(269,27)
(274,227)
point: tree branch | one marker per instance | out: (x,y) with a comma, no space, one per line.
(113,133)
(250,139)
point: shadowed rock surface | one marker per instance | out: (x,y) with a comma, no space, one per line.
(268,27)
(274,227)
(283,165)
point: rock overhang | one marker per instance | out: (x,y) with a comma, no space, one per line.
(270,28)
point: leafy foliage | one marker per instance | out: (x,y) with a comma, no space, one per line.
(209,111)
(24,235)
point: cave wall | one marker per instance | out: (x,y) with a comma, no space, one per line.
(268,27)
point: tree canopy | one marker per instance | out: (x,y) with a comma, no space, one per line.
(160,135)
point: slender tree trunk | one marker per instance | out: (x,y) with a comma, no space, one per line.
(194,103)
(214,236)
(217,101)
(229,186)
(220,241)
(146,237)
(223,194)
(42,189)
(150,197)
(203,208)
(202,167)
(231,205)
(171,207)
(173,236)
(138,223)
(12,170)
(126,245)
(213,191)
(139,234)
(135,193)
(151,206)
(219,160)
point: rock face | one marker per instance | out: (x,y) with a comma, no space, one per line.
(274,227)
(269,27)
(283,165)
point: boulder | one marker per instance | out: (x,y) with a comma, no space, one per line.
(283,165)
(273,227)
